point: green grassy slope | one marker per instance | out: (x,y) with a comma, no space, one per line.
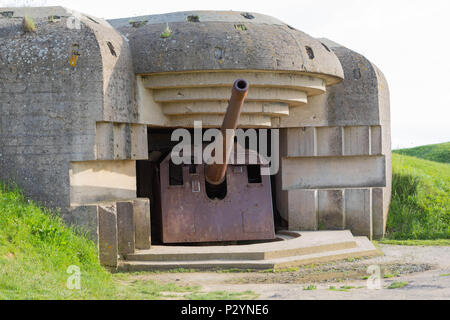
(36,250)
(420,207)
(435,152)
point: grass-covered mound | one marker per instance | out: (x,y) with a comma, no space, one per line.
(420,207)
(37,248)
(434,152)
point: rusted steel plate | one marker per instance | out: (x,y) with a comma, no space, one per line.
(189,215)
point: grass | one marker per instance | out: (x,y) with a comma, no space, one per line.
(167,33)
(310,288)
(342,288)
(193,18)
(422,243)
(240,27)
(271,270)
(36,250)
(420,206)
(138,24)
(433,152)
(28,24)
(221,295)
(398,284)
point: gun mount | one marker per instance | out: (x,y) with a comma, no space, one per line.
(219,201)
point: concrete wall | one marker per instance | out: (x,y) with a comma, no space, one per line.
(336,170)
(93,182)
(53,114)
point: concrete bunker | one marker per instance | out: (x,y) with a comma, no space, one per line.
(93,108)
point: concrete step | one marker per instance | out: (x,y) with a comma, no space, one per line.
(363,248)
(312,86)
(305,243)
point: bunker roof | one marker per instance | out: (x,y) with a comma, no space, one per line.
(224,40)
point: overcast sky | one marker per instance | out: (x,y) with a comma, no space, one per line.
(407,39)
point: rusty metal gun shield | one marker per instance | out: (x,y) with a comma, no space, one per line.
(188,215)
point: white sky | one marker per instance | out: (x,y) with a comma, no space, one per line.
(407,39)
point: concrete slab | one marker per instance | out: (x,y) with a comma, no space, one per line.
(302,209)
(333,172)
(125,227)
(305,243)
(357,141)
(142,223)
(363,248)
(358,211)
(107,235)
(331,209)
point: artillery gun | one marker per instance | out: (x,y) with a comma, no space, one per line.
(219,201)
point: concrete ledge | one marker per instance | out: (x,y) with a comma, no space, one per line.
(333,172)
(305,243)
(363,248)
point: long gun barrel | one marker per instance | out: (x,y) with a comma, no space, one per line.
(215,173)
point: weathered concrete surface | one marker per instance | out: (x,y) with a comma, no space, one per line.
(331,209)
(339,140)
(332,172)
(217,43)
(107,235)
(92,117)
(329,141)
(142,224)
(177,99)
(49,109)
(424,268)
(294,243)
(125,227)
(358,211)
(102,181)
(309,248)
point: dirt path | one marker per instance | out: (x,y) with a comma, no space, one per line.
(425,269)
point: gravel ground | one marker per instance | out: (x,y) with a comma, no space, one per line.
(424,273)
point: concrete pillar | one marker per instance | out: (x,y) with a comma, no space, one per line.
(122,141)
(298,142)
(107,235)
(376,140)
(104,141)
(142,223)
(331,209)
(139,145)
(302,210)
(125,227)
(358,212)
(378,219)
(357,141)
(329,141)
